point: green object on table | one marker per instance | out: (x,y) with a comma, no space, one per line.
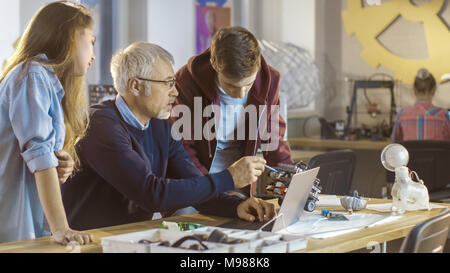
(184,226)
(189,225)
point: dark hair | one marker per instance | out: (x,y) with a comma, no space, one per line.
(235,52)
(424,82)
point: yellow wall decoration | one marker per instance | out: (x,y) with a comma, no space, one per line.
(367,23)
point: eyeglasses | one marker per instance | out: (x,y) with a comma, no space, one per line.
(170,83)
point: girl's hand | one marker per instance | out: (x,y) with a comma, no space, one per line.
(66,236)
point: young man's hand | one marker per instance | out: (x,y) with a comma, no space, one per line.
(255,209)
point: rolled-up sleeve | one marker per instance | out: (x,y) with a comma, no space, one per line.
(30,115)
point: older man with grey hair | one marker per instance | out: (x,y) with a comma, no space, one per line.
(132,167)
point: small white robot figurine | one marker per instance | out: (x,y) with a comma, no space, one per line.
(407,194)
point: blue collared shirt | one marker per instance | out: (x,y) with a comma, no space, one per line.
(31,131)
(128,116)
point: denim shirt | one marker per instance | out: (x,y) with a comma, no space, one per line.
(31,131)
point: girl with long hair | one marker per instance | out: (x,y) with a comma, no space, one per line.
(43,113)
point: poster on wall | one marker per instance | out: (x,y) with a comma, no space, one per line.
(209,20)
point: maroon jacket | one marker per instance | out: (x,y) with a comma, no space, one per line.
(197,79)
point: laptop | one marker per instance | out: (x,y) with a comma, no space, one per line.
(292,207)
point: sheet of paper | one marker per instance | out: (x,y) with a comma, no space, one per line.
(314,225)
(386,220)
(386,207)
(328,201)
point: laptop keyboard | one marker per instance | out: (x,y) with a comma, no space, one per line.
(241,224)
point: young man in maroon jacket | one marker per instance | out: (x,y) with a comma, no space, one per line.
(234,93)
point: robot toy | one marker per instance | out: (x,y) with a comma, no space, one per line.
(274,183)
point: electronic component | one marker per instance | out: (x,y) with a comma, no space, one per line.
(99,93)
(274,183)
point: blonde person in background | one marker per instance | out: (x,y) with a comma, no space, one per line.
(43,114)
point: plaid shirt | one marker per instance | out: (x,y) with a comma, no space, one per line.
(423,121)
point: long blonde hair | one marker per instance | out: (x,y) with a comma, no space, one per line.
(52,32)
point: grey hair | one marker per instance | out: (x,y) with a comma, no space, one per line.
(136,60)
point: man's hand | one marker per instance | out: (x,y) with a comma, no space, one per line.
(65,166)
(255,208)
(246,170)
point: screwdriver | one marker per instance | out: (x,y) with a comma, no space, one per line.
(271,169)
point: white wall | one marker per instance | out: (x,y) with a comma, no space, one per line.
(9,27)
(270,19)
(27,9)
(298,23)
(123,24)
(299,27)
(291,21)
(14,17)
(171,24)
(281,21)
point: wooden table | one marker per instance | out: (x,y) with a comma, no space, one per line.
(344,243)
(380,233)
(363,144)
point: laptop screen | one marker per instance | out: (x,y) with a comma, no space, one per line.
(291,208)
(295,199)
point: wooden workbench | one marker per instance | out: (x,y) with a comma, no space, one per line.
(344,243)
